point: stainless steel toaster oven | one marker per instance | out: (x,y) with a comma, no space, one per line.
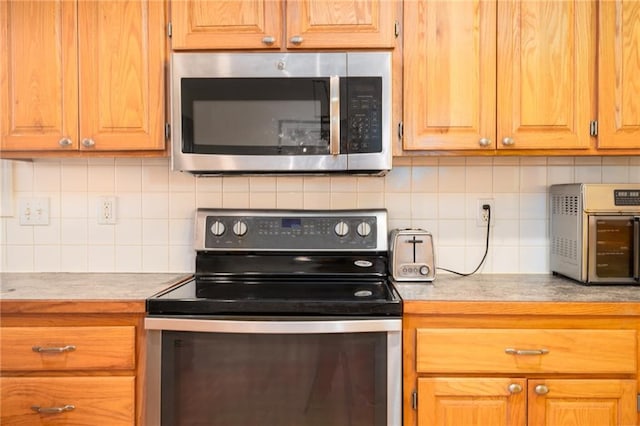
(595,232)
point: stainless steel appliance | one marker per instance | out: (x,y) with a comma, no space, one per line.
(281,112)
(411,255)
(595,232)
(290,319)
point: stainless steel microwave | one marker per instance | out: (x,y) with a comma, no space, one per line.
(595,232)
(280,113)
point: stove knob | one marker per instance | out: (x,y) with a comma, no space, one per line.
(363,229)
(424,270)
(240,228)
(217,228)
(341,229)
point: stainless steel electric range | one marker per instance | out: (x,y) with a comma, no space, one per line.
(290,319)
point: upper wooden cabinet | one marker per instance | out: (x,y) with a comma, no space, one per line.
(82,76)
(619,75)
(272,24)
(535,92)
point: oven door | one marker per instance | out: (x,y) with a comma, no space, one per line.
(613,250)
(274,372)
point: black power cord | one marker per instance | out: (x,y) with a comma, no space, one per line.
(486,207)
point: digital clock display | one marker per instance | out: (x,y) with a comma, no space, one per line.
(291,222)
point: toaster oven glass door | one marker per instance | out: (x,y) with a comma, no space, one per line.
(614,252)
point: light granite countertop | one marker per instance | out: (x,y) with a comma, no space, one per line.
(118,292)
(514,288)
(84,286)
(86,293)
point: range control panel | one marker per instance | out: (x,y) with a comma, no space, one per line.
(286,230)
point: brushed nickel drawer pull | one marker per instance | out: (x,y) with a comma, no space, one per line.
(67,348)
(511,351)
(53,410)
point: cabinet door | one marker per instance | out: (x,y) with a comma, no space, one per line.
(226,24)
(619,68)
(121,69)
(38,76)
(471,401)
(582,402)
(70,400)
(546,70)
(340,23)
(449,75)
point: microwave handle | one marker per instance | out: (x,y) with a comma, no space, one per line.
(334,114)
(636,248)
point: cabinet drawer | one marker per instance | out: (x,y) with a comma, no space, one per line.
(95,400)
(525,351)
(67,348)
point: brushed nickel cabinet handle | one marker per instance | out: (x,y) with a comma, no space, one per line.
(541,389)
(484,142)
(52,410)
(64,142)
(67,348)
(511,351)
(88,142)
(508,141)
(515,388)
(296,39)
(268,40)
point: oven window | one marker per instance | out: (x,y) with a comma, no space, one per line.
(614,247)
(274,379)
(255,116)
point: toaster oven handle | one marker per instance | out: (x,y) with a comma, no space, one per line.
(636,248)
(334,115)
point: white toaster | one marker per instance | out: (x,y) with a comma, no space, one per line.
(411,255)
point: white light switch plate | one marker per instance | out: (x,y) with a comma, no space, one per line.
(33,211)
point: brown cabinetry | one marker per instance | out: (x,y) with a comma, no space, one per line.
(536,91)
(71,369)
(519,370)
(619,75)
(274,24)
(81,77)
(521,78)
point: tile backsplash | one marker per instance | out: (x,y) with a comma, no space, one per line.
(154,208)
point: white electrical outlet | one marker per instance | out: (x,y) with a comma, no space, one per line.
(106,210)
(482,214)
(33,211)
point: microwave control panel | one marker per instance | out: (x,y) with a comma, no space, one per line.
(363,104)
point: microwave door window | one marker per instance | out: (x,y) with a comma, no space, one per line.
(250,116)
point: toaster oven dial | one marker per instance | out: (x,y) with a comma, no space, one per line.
(424,270)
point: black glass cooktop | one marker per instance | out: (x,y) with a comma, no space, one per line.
(273,298)
(276,284)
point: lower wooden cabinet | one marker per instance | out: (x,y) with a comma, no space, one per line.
(454,401)
(72,369)
(519,370)
(68,400)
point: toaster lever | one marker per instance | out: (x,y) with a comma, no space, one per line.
(414,242)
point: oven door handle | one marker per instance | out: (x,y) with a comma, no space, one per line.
(272,326)
(636,248)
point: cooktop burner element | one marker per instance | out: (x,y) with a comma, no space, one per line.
(286,262)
